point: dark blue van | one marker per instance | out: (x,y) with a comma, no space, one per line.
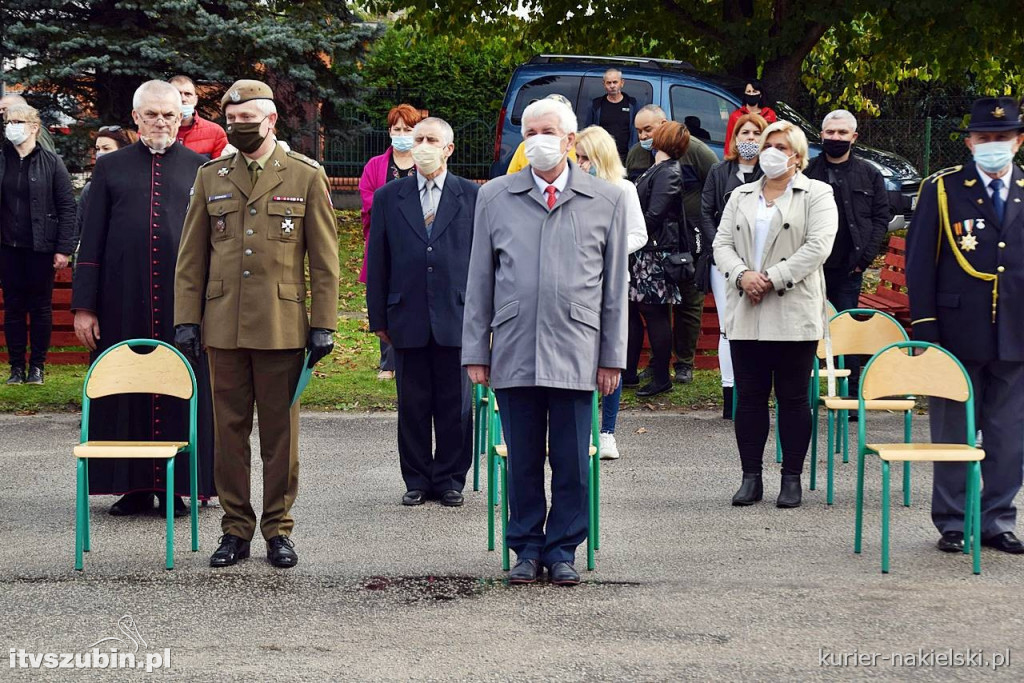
(682,92)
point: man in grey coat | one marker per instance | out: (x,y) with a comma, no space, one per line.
(545,326)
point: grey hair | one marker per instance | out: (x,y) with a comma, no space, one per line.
(447,134)
(566,119)
(158,89)
(265,107)
(839,114)
(613,70)
(653,109)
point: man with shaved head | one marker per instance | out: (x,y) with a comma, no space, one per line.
(614,111)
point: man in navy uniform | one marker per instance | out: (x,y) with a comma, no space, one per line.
(965,276)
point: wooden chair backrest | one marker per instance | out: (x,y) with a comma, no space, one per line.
(862,337)
(933,373)
(123,371)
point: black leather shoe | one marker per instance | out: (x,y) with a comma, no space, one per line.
(17,376)
(684,374)
(35,375)
(525,571)
(563,574)
(951,542)
(180,509)
(630,380)
(281,552)
(132,504)
(653,388)
(790,492)
(751,490)
(1006,542)
(232,549)
(414,497)
(452,499)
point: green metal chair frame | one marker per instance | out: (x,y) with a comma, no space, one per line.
(480,420)
(82,535)
(837,419)
(497,467)
(925,380)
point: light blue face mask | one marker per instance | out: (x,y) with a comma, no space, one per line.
(994,156)
(647,144)
(592,170)
(187,110)
(402,143)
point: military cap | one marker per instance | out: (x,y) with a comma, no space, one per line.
(246,90)
(994,114)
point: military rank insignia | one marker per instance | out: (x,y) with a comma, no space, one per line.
(965,231)
(223,172)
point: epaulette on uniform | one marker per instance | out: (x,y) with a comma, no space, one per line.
(219,159)
(303,158)
(946,171)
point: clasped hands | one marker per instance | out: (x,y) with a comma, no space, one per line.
(755,285)
(607,378)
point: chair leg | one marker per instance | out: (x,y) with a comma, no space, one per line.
(815,426)
(969,520)
(80,518)
(477,433)
(591,509)
(885,517)
(596,489)
(169,507)
(976,519)
(830,484)
(906,465)
(193,509)
(858,527)
(491,498)
(504,516)
(846,435)
(778,436)
(88,513)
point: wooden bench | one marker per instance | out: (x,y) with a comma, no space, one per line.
(891,294)
(63,326)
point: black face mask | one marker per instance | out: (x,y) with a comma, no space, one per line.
(245,136)
(836,148)
(751,100)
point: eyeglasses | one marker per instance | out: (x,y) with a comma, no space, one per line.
(109,129)
(154,118)
(16,122)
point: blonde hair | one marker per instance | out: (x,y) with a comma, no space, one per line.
(22,112)
(794,136)
(602,152)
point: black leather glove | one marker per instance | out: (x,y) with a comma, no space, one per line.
(321,343)
(186,338)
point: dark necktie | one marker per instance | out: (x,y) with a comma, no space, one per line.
(997,198)
(550,191)
(254,172)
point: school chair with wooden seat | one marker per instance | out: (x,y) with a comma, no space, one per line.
(850,336)
(934,372)
(122,370)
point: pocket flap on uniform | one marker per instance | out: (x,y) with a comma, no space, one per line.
(947,299)
(505,313)
(222,207)
(286,209)
(214,289)
(585,315)
(291,291)
(394,298)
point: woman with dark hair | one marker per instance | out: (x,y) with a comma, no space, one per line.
(396,162)
(37,237)
(754,102)
(660,190)
(108,139)
(740,167)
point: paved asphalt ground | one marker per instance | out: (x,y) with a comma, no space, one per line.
(686,587)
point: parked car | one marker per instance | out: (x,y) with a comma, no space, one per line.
(682,92)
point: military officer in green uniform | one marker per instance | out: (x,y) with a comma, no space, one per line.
(965,277)
(255,217)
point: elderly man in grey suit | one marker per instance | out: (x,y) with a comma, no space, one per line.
(545,326)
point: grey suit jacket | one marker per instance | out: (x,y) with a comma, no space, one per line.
(546,297)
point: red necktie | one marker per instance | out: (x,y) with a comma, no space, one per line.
(550,191)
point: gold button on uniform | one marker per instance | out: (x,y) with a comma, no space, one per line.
(1001,268)
(1002,245)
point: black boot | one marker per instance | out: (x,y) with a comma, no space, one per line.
(789,492)
(726,403)
(751,490)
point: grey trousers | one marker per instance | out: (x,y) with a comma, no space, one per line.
(999,414)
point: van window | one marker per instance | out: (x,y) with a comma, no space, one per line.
(712,110)
(539,88)
(593,87)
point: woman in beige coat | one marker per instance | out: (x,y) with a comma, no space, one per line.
(773,238)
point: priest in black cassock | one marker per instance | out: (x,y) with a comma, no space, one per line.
(124,289)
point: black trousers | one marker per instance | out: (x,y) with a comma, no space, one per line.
(659,332)
(758,366)
(27,278)
(433,391)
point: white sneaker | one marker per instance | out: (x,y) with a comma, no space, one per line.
(607,447)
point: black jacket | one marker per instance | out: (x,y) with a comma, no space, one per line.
(661,197)
(722,180)
(53,203)
(865,206)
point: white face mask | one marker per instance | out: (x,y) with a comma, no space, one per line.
(427,158)
(187,110)
(544,152)
(774,163)
(17,133)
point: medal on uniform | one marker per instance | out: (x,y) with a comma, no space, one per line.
(287,226)
(224,171)
(968,242)
(221,225)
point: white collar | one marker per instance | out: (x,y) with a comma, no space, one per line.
(986,178)
(560,182)
(421,180)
